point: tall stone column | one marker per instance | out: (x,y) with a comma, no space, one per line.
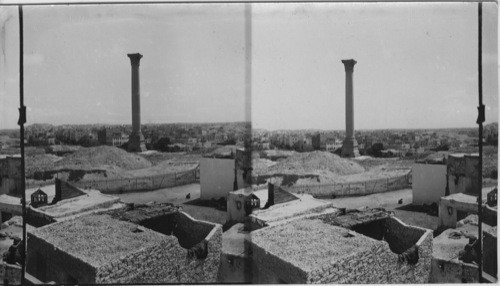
(350,145)
(136,139)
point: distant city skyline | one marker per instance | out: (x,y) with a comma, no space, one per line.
(417,64)
(253,128)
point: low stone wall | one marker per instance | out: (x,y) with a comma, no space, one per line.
(401,236)
(377,265)
(141,183)
(190,230)
(453,271)
(16,209)
(48,263)
(57,215)
(165,262)
(380,265)
(169,262)
(235,269)
(352,189)
(268,268)
(490,253)
(10,273)
(37,218)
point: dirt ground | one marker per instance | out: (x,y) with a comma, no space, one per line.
(389,201)
(177,196)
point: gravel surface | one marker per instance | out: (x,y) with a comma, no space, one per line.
(98,239)
(292,242)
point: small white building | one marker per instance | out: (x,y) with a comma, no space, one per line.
(428,183)
(241,203)
(223,173)
(456,207)
(458,173)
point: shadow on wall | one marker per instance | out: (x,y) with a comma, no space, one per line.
(402,240)
(190,234)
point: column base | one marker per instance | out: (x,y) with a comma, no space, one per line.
(350,148)
(136,142)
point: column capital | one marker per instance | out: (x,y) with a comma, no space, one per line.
(135,58)
(349,65)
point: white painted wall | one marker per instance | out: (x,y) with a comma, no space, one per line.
(216,177)
(428,183)
(233,212)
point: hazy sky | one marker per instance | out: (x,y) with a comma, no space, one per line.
(77,69)
(417,64)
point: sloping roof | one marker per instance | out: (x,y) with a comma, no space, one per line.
(39,191)
(282,196)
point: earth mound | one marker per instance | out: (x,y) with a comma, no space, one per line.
(314,162)
(96,157)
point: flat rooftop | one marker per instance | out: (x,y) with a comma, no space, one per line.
(10,200)
(448,244)
(464,198)
(355,217)
(98,239)
(4,156)
(303,205)
(311,243)
(139,213)
(92,200)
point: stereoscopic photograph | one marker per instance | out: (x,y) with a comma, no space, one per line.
(248,142)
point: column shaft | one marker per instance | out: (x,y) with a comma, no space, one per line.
(136,100)
(349,106)
(136,139)
(350,145)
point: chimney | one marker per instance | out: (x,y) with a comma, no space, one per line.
(58,195)
(270,195)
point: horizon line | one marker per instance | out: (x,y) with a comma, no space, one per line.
(253,128)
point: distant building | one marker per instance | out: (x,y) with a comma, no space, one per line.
(111,137)
(224,172)
(456,173)
(316,141)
